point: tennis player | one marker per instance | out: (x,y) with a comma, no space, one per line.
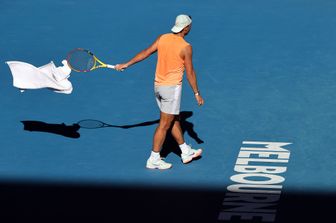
(174,57)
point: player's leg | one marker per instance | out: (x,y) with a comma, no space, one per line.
(188,153)
(160,133)
(155,161)
(177,131)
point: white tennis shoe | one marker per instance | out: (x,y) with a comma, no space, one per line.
(192,154)
(159,164)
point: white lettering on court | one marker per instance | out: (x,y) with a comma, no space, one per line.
(257,182)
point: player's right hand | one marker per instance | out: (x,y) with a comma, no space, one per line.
(121,67)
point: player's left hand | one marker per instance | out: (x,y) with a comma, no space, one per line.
(199,99)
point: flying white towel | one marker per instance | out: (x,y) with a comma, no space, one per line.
(27,76)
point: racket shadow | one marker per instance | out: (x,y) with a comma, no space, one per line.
(97,124)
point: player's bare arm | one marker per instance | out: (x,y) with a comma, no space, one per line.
(186,55)
(140,56)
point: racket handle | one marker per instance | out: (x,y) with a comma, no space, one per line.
(110,66)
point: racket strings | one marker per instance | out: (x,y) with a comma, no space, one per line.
(90,124)
(81,60)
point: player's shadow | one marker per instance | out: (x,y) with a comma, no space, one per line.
(170,145)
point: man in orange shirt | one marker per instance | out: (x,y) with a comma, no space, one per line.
(174,56)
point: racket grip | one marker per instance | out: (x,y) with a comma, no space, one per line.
(110,66)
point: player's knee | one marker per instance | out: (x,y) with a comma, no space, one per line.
(165,125)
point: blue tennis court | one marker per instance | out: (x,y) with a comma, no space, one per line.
(267,72)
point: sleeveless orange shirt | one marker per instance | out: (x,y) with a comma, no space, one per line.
(170,66)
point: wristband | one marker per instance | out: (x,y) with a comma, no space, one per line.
(197,93)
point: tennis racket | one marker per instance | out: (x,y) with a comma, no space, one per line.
(82,60)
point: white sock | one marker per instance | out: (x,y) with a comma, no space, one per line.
(155,156)
(184,148)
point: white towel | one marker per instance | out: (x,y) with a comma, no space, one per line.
(27,76)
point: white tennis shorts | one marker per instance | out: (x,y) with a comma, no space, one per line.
(168,98)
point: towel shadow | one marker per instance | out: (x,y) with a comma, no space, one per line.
(71,131)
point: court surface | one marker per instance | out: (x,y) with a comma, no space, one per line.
(267,72)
